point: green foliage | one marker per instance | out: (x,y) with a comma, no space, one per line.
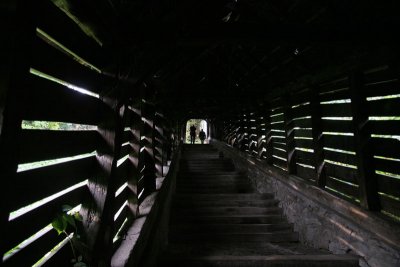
(60,223)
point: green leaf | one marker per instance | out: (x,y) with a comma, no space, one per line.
(78,216)
(59,224)
(69,219)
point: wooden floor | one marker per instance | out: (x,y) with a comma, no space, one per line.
(218,220)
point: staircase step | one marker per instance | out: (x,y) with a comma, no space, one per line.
(218,197)
(225,211)
(229,228)
(274,237)
(225,203)
(264,261)
(231,219)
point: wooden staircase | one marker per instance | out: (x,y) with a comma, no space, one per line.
(218,220)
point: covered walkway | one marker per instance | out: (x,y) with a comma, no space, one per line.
(301,100)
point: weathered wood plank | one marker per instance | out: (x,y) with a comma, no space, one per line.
(382,88)
(29,255)
(304,143)
(45,181)
(391,127)
(340,157)
(336,110)
(37,145)
(387,165)
(342,187)
(303,123)
(388,185)
(305,173)
(337,126)
(301,111)
(386,147)
(339,142)
(335,95)
(386,107)
(390,205)
(26,225)
(302,133)
(341,172)
(65,104)
(52,19)
(51,61)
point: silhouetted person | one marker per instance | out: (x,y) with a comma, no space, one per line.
(202,136)
(192,134)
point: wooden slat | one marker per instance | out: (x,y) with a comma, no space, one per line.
(38,145)
(340,157)
(26,225)
(63,256)
(304,123)
(339,142)
(36,250)
(387,107)
(304,143)
(305,161)
(302,133)
(46,181)
(125,150)
(387,147)
(337,126)
(382,89)
(388,185)
(53,62)
(305,173)
(120,199)
(336,110)
(344,94)
(342,173)
(278,119)
(279,162)
(279,153)
(58,25)
(384,127)
(390,205)
(49,101)
(128,136)
(340,82)
(305,157)
(278,145)
(387,165)
(122,173)
(301,111)
(342,187)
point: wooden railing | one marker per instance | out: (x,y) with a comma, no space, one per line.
(342,135)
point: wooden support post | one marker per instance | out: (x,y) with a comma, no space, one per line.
(134,172)
(289,134)
(268,135)
(318,145)
(20,30)
(362,138)
(149,174)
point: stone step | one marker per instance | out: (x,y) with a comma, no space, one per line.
(213,176)
(225,203)
(228,219)
(206,173)
(220,197)
(225,211)
(262,261)
(274,237)
(215,190)
(229,228)
(244,248)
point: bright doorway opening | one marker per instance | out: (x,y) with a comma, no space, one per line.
(199,124)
